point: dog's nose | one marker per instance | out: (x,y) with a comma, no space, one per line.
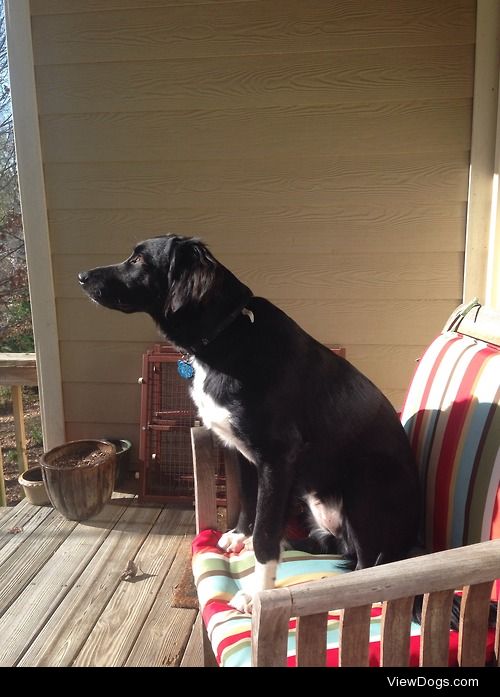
(83,277)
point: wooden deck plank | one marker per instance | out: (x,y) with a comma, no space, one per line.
(193,654)
(19,515)
(62,637)
(30,610)
(113,637)
(17,531)
(164,635)
(60,584)
(29,559)
(12,515)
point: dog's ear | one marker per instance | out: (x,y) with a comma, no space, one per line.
(191,274)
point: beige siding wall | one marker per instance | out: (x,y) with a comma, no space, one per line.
(321,147)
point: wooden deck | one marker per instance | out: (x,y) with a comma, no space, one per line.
(63,603)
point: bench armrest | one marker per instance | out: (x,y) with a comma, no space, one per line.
(435,576)
(207,454)
(429,573)
(205,469)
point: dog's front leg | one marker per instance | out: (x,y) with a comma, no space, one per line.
(241,536)
(272,500)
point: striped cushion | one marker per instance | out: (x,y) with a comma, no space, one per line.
(219,575)
(452,418)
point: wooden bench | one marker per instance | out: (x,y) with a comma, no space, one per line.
(471,567)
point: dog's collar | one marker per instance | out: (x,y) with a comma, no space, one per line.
(224,324)
(185,364)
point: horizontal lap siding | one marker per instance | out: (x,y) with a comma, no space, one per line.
(364,322)
(266,132)
(321,148)
(260,27)
(316,182)
(55,7)
(259,81)
(316,276)
(297,227)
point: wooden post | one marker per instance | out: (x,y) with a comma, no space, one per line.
(473,626)
(271,613)
(481,244)
(311,640)
(3,498)
(395,631)
(204,478)
(355,637)
(435,634)
(17,405)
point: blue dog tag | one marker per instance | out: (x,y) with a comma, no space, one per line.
(185,369)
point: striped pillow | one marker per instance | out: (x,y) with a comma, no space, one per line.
(452,418)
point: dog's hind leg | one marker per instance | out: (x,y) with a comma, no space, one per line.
(318,542)
(380,513)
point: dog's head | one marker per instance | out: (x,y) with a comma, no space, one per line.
(174,279)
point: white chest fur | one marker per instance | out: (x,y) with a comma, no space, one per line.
(214,416)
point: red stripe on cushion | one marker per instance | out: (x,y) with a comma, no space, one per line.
(415,435)
(213,607)
(495,535)
(229,641)
(206,541)
(454,426)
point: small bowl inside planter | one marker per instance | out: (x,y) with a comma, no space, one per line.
(122,457)
(34,486)
(80,477)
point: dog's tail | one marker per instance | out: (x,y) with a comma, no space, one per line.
(455,611)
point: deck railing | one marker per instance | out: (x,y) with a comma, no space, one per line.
(17,370)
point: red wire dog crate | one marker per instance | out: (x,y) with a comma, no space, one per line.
(167,415)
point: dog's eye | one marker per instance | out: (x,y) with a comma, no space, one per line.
(137,259)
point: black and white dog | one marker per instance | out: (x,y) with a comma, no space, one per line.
(306,423)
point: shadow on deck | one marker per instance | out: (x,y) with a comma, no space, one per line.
(63,603)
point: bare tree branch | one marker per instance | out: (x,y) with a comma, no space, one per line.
(15,316)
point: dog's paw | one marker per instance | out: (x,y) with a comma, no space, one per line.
(242,601)
(233,541)
(248,544)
